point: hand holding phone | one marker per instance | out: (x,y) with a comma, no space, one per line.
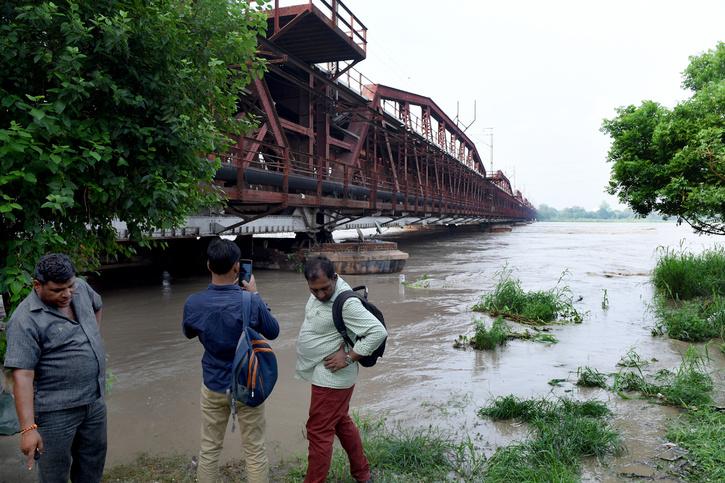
(245,270)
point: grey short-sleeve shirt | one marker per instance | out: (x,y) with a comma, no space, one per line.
(68,356)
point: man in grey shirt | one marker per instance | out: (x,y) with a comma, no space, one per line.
(59,365)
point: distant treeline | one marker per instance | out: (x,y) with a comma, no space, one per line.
(548,213)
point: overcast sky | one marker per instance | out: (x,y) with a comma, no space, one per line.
(544,74)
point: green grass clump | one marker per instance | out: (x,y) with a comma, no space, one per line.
(690,294)
(508,299)
(588,377)
(683,275)
(563,432)
(531,463)
(691,320)
(689,385)
(489,338)
(511,407)
(702,434)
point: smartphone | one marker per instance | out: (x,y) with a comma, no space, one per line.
(245,270)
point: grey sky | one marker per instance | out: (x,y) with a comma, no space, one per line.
(544,74)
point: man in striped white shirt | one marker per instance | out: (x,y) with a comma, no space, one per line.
(324,360)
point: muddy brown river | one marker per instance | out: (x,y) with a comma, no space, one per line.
(422,380)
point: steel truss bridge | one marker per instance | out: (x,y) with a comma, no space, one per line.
(334,150)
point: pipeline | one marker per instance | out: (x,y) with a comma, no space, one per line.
(264,177)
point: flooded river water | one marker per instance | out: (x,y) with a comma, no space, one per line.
(154,408)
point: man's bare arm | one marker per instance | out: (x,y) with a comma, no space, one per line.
(23,392)
(99,316)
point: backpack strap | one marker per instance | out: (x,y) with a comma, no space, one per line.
(337,314)
(246,302)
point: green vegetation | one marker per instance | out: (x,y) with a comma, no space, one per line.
(535,337)
(489,338)
(605,299)
(509,300)
(671,161)
(690,294)
(109,110)
(682,275)
(588,377)
(702,433)
(689,385)
(421,282)
(563,432)
(423,454)
(486,339)
(577,213)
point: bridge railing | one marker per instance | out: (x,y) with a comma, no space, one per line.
(337,13)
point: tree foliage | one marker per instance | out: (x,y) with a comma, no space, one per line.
(108,110)
(673,160)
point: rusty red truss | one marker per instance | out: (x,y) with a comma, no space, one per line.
(330,139)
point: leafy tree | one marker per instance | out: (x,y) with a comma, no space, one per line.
(109,110)
(673,161)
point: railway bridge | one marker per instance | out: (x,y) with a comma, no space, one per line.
(333,150)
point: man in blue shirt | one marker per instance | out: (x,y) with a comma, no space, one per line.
(215,316)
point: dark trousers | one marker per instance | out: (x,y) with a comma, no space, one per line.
(74,443)
(329,417)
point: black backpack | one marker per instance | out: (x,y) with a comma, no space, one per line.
(372,359)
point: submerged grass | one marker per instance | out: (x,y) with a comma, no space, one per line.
(421,282)
(690,294)
(563,432)
(689,385)
(488,338)
(510,300)
(702,433)
(588,377)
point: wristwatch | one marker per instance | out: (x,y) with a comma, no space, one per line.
(348,360)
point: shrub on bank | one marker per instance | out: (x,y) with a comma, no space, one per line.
(510,300)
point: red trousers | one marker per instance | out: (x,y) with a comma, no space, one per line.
(329,417)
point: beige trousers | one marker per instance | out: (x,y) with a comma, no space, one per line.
(215,411)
